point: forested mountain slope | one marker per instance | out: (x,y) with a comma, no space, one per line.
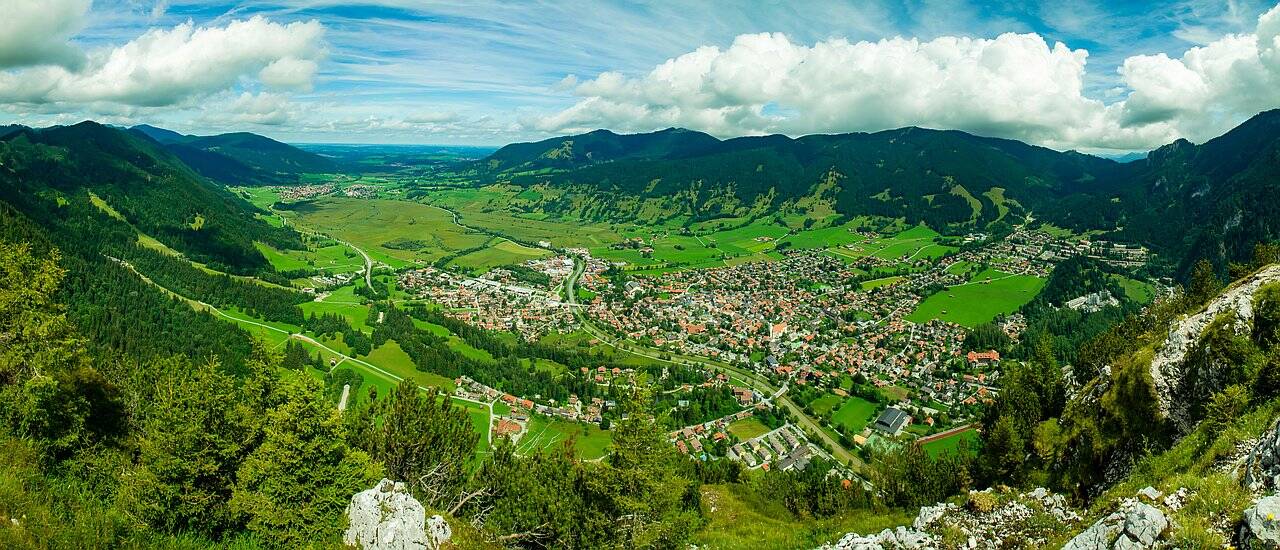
(240,158)
(1186,201)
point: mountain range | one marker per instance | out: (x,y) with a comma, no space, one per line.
(1186,201)
(240,158)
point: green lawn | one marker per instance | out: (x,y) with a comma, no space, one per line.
(736,517)
(839,235)
(544,433)
(411,232)
(855,414)
(1136,290)
(988,294)
(748,428)
(823,406)
(876,283)
(951,443)
(333,258)
(503,252)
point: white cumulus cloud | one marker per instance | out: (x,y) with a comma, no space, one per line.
(36,32)
(1014,85)
(170,66)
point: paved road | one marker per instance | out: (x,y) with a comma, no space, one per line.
(805,421)
(368,262)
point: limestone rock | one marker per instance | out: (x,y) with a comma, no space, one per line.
(993,526)
(1150,493)
(1261,469)
(1166,365)
(1135,525)
(387,517)
(1262,523)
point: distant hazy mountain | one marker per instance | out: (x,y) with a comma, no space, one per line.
(240,158)
(1188,201)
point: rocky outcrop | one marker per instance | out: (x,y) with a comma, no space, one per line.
(1000,521)
(1261,469)
(1135,525)
(387,517)
(1261,527)
(900,538)
(1167,363)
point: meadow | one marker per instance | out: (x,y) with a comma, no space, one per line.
(748,428)
(985,296)
(854,414)
(590,442)
(397,233)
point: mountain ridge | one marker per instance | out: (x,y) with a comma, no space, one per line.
(913,173)
(239,158)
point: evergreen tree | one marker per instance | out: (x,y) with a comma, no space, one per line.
(294,487)
(419,437)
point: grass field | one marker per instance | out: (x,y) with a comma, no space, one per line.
(391,358)
(988,294)
(894,393)
(343,301)
(854,414)
(876,283)
(501,252)
(748,428)
(823,406)
(951,443)
(544,433)
(1136,290)
(333,258)
(839,235)
(415,232)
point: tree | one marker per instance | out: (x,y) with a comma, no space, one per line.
(34,333)
(419,437)
(190,445)
(646,492)
(1204,283)
(1226,406)
(294,486)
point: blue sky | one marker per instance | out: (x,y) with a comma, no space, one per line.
(496,72)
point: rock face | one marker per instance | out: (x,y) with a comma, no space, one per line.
(1135,525)
(1261,469)
(387,517)
(1167,363)
(1262,523)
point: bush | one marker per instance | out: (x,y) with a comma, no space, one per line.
(982,501)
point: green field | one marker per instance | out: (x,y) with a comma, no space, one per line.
(544,433)
(501,252)
(748,428)
(391,358)
(333,258)
(854,414)
(877,283)
(1138,291)
(988,294)
(839,235)
(342,301)
(737,517)
(951,443)
(397,233)
(823,406)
